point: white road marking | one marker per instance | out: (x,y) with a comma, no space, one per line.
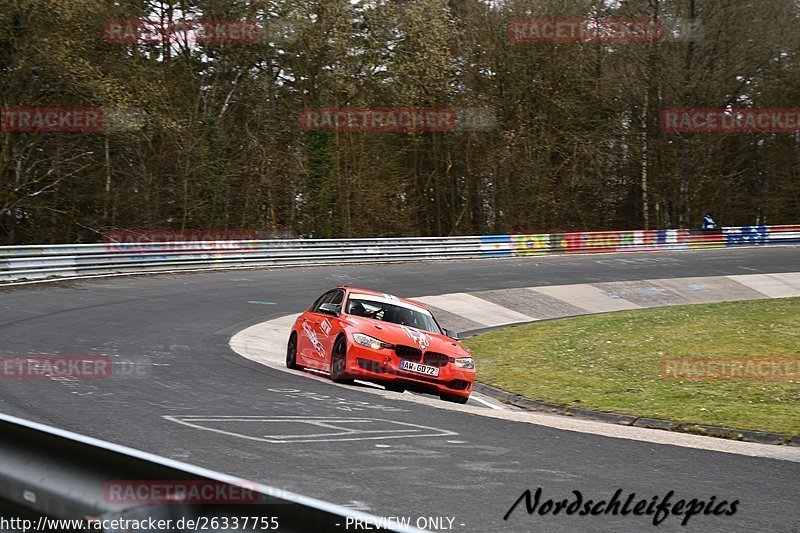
(398,429)
(486,403)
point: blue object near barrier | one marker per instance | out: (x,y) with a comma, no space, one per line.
(747,236)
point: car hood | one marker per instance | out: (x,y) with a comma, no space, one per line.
(397,334)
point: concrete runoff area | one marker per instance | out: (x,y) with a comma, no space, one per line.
(771,285)
(476,309)
(587,297)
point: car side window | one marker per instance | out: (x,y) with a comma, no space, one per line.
(331,297)
(317,302)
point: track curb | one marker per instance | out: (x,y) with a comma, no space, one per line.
(743,435)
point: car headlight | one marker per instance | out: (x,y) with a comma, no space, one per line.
(464,362)
(370,342)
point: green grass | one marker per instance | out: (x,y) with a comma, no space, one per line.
(611,362)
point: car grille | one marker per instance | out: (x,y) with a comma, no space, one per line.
(408,352)
(436,359)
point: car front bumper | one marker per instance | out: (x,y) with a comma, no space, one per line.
(383,366)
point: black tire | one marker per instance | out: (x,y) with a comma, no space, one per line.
(339,362)
(394,387)
(454,398)
(291,352)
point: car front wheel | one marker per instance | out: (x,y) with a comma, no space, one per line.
(339,362)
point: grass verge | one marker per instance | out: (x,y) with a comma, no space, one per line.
(611,362)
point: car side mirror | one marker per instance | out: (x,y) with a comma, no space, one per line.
(452,334)
(329,309)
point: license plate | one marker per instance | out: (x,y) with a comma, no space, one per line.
(419,368)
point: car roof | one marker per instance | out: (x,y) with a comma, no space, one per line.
(384,295)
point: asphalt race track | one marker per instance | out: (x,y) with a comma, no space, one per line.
(428,462)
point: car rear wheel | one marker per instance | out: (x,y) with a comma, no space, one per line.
(291,352)
(339,362)
(454,398)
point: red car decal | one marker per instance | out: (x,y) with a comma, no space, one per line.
(420,337)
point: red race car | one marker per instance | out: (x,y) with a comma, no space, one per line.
(360,334)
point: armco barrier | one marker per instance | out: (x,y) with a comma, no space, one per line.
(636,241)
(65,260)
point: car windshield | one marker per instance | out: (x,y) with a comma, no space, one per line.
(394,312)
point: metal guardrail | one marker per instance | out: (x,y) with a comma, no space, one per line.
(69,260)
(639,240)
(48,474)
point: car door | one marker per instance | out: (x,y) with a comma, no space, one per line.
(303,341)
(316,332)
